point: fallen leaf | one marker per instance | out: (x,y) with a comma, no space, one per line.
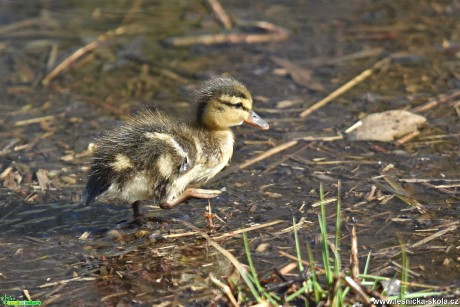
(301,76)
(386,126)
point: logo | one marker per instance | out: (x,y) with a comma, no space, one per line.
(9,300)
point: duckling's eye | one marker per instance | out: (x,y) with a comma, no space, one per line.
(239,105)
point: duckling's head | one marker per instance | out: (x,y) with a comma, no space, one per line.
(224,102)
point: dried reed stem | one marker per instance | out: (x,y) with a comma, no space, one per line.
(346,87)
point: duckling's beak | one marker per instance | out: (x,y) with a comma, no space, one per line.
(256,121)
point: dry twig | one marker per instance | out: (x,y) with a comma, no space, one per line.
(357,288)
(227,234)
(66,281)
(132,11)
(267,154)
(221,14)
(239,231)
(401,193)
(34,120)
(116,111)
(306,263)
(288,268)
(324,202)
(224,288)
(298,226)
(32,22)
(27,294)
(347,86)
(407,138)
(436,235)
(274,34)
(210,216)
(434,102)
(123,293)
(238,265)
(354,262)
(81,52)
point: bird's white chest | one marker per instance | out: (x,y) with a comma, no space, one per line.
(207,166)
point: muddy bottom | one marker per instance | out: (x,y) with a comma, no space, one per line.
(394,193)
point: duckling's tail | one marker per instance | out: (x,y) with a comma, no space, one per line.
(94,188)
(87,197)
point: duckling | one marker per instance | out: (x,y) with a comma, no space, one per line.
(154,156)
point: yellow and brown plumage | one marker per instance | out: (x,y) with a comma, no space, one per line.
(156,157)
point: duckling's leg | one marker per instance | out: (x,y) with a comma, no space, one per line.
(137,208)
(191,193)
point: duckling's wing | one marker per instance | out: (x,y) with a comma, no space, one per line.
(151,146)
(152,137)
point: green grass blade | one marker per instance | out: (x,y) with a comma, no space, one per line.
(368,260)
(250,280)
(297,246)
(314,280)
(320,287)
(297,293)
(325,247)
(404,273)
(255,278)
(337,264)
(345,292)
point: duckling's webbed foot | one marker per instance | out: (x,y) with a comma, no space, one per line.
(191,193)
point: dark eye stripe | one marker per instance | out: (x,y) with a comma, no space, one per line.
(236,106)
